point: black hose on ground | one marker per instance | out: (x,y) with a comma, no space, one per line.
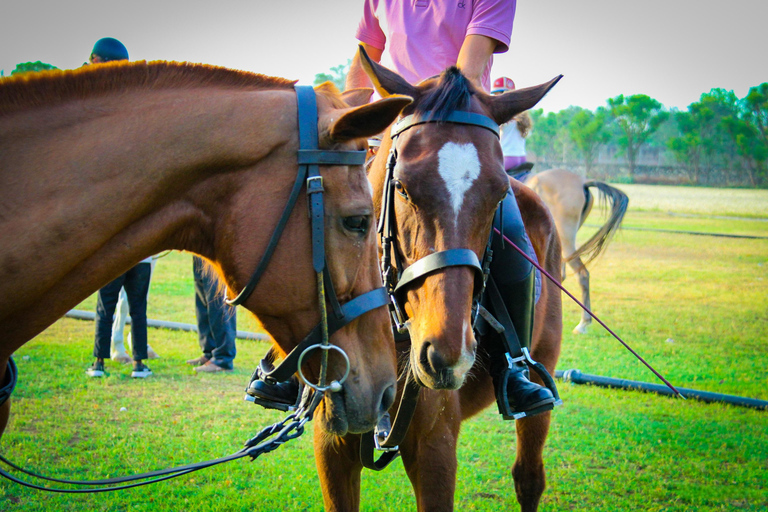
(164,324)
(576,377)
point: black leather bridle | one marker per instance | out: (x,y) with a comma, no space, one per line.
(397,276)
(310,159)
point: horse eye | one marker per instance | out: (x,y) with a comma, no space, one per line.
(400,189)
(357,223)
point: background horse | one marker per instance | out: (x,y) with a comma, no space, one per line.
(569,200)
(448,181)
(106,165)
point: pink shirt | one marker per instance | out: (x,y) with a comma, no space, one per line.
(421,38)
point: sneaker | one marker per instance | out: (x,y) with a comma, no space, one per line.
(141,371)
(198,361)
(96,369)
(211,367)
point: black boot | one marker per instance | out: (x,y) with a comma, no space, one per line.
(267,395)
(516,395)
(279,395)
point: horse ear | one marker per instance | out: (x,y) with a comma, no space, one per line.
(367,120)
(385,81)
(357,97)
(506,106)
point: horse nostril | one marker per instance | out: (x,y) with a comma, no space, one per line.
(388,398)
(432,358)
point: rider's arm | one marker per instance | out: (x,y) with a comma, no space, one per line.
(475,52)
(356,76)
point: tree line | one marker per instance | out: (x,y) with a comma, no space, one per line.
(719,140)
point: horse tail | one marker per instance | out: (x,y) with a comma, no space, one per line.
(619,202)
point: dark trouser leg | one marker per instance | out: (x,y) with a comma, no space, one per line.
(514,277)
(205,337)
(136,288)
(217,321)
(105,309)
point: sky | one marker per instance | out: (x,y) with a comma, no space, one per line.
(671,50)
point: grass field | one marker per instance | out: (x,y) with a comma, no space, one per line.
(695,306)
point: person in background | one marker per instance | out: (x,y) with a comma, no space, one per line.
(512,135)
(135,281)
(108,49)
(136,284)
(216,322)
(418,40)
(122,312)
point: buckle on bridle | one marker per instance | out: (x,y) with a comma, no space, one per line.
(315,184)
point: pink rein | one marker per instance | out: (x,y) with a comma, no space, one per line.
(535,264)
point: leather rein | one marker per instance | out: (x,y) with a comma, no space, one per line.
(310,158)
(397,277)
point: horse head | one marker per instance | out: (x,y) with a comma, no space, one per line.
(351,259)
(446,177)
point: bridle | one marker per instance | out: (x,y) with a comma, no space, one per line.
(310,158)
(398,276)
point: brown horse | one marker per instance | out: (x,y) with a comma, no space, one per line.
(437,212)
(106,165)
(569,200)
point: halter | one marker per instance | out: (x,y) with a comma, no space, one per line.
(397,277)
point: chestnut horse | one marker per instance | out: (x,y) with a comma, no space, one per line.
(106,165)
(434,213)
(569,200)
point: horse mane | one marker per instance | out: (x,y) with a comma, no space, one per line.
(31,90)
(452,92)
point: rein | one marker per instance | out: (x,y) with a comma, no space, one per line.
(309,159)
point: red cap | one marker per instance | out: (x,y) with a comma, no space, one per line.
(502,84)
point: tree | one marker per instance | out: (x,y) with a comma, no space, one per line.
(703,143)
(749,131)
(588,132)
(638,117)
(338,75)
(27,67)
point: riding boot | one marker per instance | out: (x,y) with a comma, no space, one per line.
(276,395)
(510,298)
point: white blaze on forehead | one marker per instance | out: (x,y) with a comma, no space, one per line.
(459,166)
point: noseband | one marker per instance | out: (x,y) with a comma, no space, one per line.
(310,158)
(397,277)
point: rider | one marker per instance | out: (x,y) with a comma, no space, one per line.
(512,135)
(419,40)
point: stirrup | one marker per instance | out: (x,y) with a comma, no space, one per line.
(502,397)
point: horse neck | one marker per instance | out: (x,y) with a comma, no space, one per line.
(94,186)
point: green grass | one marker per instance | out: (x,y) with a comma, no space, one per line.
(695,307)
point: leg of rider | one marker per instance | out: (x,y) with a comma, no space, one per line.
(515,278)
